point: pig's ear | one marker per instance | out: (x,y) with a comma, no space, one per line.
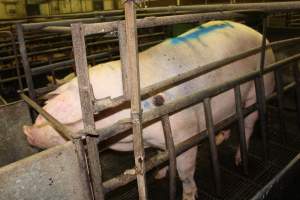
(28,132)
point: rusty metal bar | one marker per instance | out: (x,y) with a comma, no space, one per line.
(25,62)
(124,61)
(147,22)
(241,123)
(279,89)
(260,91)
(62,129)
(162,157)
(170,146)
(212,144)
(136,111)
(86,100)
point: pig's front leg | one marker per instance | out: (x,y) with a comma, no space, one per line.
(186,164)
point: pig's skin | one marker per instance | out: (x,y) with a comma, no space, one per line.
(205,44)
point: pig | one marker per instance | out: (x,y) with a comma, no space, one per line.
(199,46)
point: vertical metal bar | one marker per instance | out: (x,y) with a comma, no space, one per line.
(279,89)
(80,152)
(172,155)
(297,81)
(212,144)
(86,100)
(136,112)
(260,92)
(239,113)
(17,61)
(123,56)
(25,63)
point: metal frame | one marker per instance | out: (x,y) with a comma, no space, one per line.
(127,37)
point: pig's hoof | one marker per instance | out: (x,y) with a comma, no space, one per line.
(238,158)
(190,196)
(161,173)
(222,136)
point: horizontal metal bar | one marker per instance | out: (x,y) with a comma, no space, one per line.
(201,70)
(186,101)
(147,22)
(162,157)
(266,189)
(40,25)
(57,29)
(62,129)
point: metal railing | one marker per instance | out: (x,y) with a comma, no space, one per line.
(133,94)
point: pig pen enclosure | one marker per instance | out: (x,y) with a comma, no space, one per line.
(75,170)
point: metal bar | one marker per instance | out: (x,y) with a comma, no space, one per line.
(260,92)
(124,61)
(212,144)
(279,89)
(183,77)
(80,152)
(2,101)
(266,189)
(86,100)
(136,111)
(241,123)
(170,146)
(61,129)
(162,157)
(41,25)
(25,62)
(147,22)
(297,81)
(57,29)
(186,101)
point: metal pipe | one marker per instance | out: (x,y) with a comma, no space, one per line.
(241,124)
(212,144)
(61,129)
(260,92)
(25,62)
(279,89)
(147,22)
(134,84)
(170,146)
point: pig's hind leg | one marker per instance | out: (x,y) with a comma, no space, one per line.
(249,123)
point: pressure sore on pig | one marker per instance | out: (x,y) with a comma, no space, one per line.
(207,43)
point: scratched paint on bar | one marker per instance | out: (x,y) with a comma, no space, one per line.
(200,31)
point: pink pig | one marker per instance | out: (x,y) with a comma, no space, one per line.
(207,43)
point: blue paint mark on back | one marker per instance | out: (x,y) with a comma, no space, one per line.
(200,31)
